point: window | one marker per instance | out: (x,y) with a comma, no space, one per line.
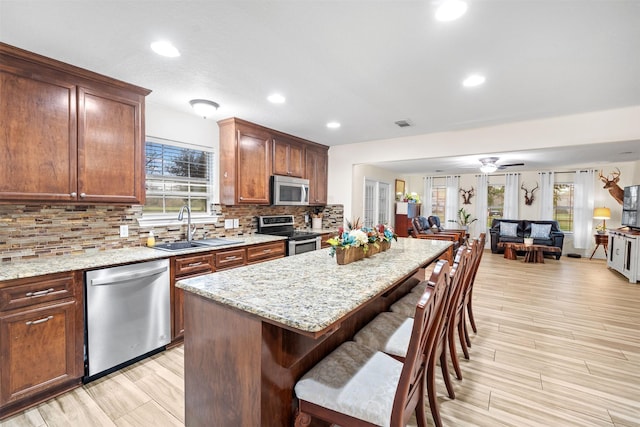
(177,175)
(377,203)
(438,201)
(495,202)
(563,205)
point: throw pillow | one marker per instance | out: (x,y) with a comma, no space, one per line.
(509,229)
(540,231)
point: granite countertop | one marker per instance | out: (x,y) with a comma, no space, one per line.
(100,259)
(310,291)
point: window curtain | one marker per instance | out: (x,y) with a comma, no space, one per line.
(482,204)
(427,199)
(583,209)
(511,192)
(546,195)
(451,206)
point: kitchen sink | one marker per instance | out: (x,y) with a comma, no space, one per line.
(216,241)
(178,246)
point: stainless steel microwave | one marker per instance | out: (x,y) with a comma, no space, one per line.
(289,191)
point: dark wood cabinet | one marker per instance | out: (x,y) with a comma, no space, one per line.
(250,154)
(405,212)
(288,157)
(41,339)
(184,267)
(245,163)
(70,135)
(265,252)
(316,167)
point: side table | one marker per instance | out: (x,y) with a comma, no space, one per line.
(601,240)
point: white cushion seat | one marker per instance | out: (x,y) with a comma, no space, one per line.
(354,380)
(388,332)
(406,306)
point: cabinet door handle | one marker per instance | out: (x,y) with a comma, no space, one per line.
(39,293)
(241,198)
(195,264)
(231,258)
(74,194)
(83,195)
(35,322)
(266,251)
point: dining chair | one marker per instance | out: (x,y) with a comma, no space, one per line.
(359,386)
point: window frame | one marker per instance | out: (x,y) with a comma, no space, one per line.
(212,195)
(571,209)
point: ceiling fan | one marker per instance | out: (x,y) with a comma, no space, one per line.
(489,165)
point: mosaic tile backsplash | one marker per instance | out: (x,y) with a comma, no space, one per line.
(36,231)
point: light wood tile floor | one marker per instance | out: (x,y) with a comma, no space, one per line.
(558,345)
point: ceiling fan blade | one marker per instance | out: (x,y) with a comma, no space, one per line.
(512,164)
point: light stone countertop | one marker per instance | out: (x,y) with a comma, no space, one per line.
(310,291)
(100,259)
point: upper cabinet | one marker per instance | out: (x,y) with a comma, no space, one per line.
(245,163)
(250,154)
(316,166)
(288,157)
(69,135)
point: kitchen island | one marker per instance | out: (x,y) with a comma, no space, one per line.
(253,331)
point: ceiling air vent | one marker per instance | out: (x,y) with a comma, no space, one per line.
(403,123)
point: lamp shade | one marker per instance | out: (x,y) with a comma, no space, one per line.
(601,213)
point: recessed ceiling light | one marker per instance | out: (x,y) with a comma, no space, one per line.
(333,125)
(473,80)
(276,98)
(165,48)
(450,10)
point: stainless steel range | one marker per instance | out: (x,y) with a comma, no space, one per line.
(298,242)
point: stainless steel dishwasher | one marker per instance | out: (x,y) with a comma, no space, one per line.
(127,315)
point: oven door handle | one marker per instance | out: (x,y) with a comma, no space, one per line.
(299,242)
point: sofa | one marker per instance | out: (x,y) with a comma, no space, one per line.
(543,232)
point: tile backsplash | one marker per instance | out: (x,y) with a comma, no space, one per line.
(36,231)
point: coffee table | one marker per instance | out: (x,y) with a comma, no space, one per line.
(533,253)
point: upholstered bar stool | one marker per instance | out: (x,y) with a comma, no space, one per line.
(357,385)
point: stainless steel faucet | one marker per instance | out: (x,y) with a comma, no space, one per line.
(190,231)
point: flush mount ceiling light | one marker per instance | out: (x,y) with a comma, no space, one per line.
(450,10)
(333,125)
(473,80)
(204,107)
(165,48)
(488,165)
(276,98)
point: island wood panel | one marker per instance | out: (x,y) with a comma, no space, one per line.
(242,368)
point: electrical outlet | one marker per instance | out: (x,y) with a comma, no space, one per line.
(124,231)
(236,223)
(228,223)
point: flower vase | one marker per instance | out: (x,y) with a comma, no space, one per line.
(373,249)
(349,255)
(385,245)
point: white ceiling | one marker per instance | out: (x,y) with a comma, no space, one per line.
(363,63)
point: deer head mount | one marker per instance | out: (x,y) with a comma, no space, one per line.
(611,184)
(528,194)
(467,195)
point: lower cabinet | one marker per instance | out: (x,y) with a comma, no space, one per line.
(624,256)
(41,342)
(186,266)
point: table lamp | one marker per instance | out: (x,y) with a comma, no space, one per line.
(602,213)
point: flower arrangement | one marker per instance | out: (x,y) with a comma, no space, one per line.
(357,236)
(411,197)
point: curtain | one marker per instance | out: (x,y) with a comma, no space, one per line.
(546,195)
(511,192)
(427,200)
(583,209)
(451,207)
(482,201)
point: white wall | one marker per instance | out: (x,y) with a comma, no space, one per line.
(189,128)
(589,128)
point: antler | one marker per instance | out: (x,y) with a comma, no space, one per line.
(534,189)
(616,176)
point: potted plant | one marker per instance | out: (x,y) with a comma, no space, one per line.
(464,219)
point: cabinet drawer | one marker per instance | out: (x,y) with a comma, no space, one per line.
(265,252)
(36,290)
(194,265)
(230,258)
